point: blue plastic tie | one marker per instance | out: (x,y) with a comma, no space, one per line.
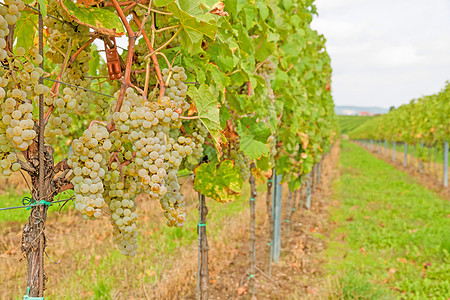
(251,276)
(27,296)
(201,224)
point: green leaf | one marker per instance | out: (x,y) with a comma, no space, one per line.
(194,24)
(222,183)
(253,139)
(263,48)
(208,110)
(25,29)
(43,7)
(96,17)
(160,3)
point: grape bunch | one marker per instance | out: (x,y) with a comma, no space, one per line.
(143,153)
(267,71)
(9,13)
(61,31)
(243,162)
(89,165)
(197,139)
(60,120)
(18,118)
(121,187)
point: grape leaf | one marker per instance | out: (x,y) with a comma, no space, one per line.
(43,7)
(162,2)
(194,24)
(25,29)
(253,139)
(221,182)
(208,111)
(99,19)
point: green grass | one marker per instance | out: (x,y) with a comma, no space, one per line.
(157,253)
(12,198)
(393,239)
(348,123)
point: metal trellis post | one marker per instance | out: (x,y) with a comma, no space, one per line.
(308,191)
(405,158)
(393,151)
(446,164)
(276,213)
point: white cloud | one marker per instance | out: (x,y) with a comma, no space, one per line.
(386,52)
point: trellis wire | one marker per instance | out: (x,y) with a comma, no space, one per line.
(37,10)
(26,206)
(78,87)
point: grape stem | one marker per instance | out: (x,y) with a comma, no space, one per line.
(57,84)
(141,27)
(75,55)
(290,67)
(121,3)
(259,65)
(126,82)
(249,88)
(138,89)
(167,28)
(189,118)
(129,7)
(169,66)
(96,122)
(147,79)
(165,44)
(156,11)
(154,58)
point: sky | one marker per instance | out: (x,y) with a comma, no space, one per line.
(385,52)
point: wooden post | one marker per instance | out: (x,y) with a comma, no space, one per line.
(270,220)
(252,251)
(203,273)
(33,235)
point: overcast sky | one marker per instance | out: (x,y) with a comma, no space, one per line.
(385,52)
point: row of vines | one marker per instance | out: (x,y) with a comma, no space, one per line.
(226,90)
(424,120)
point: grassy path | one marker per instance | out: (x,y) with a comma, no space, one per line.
(393,235)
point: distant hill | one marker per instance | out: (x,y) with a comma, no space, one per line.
(355,110)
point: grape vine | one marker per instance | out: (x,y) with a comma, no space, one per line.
(200,88)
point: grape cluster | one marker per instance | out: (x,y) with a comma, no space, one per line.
(17,119)
(144,154)
(267,71)
(89,164)
(60,120)
(242,161)
(61,31)
(8,163)
(121,188)
(199,132)
(9,13)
